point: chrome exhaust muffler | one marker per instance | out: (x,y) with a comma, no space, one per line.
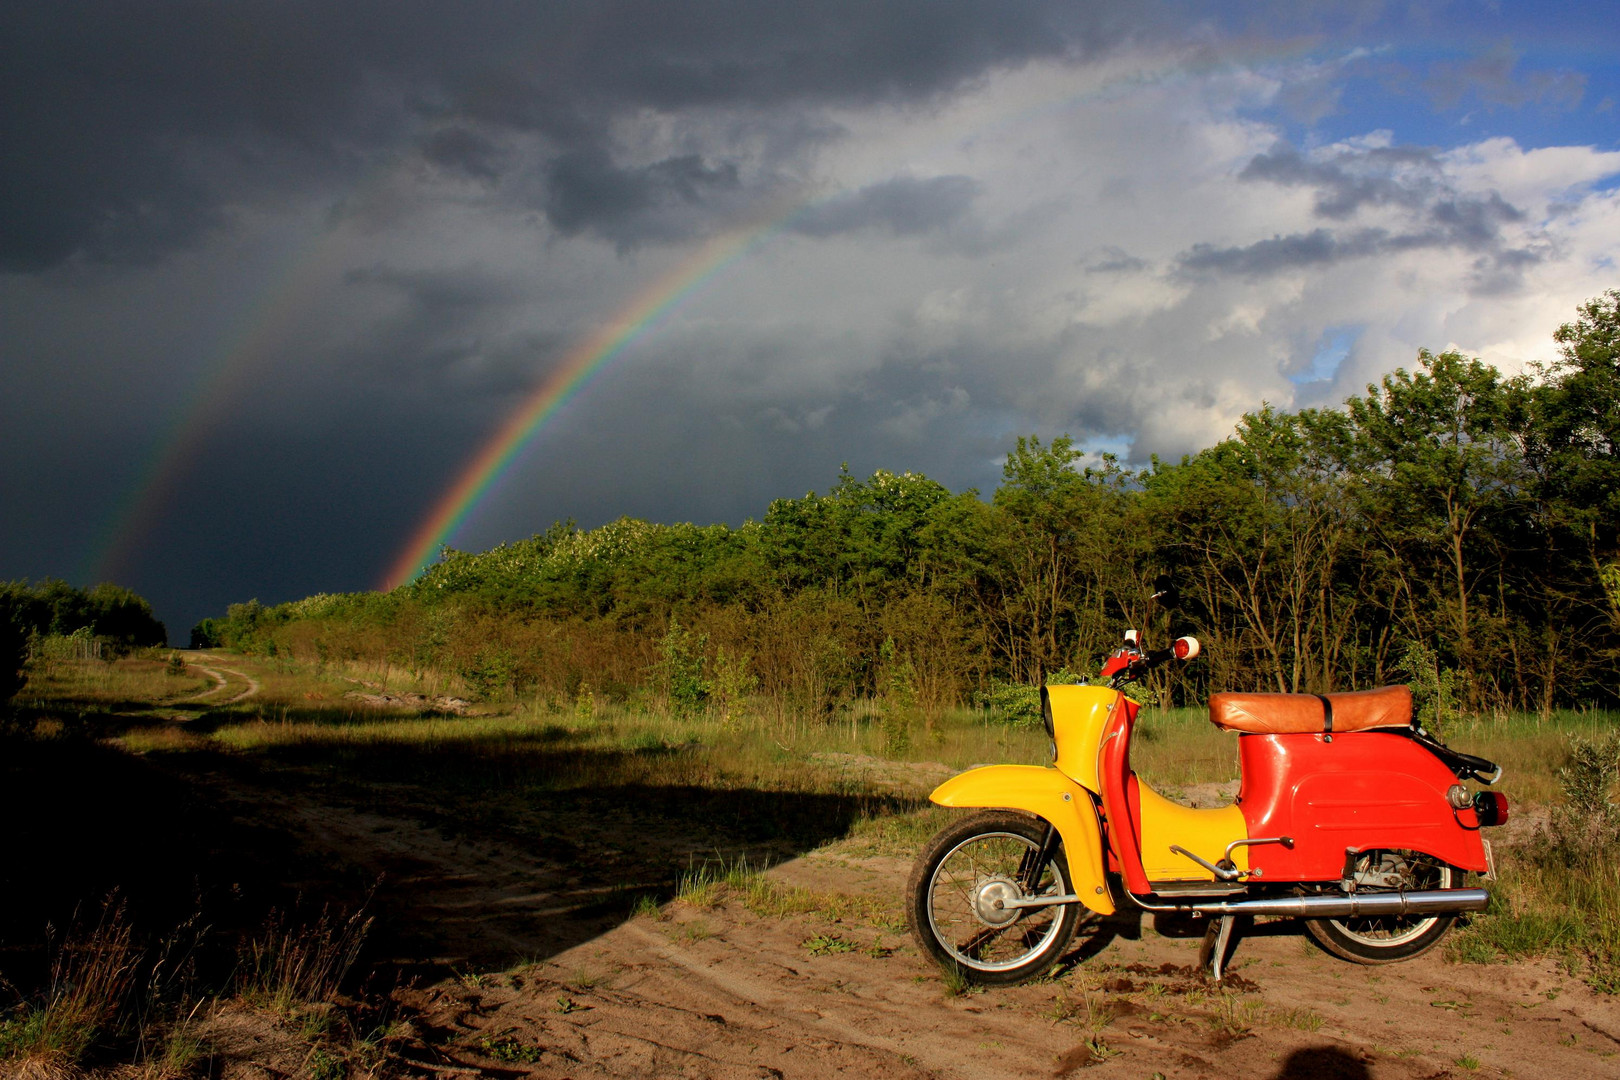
(1350,905)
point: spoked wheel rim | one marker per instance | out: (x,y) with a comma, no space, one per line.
(962,894)
(1407,872)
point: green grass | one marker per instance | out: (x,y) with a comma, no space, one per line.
(133,681)
(507,766)
(506,1047)
(826,945)
(301,707)
(1175,748)
(1300,1019)
(767,897)
(899,835)
(964,738)
(1542,905)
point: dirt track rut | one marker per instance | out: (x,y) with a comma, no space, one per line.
(250,685)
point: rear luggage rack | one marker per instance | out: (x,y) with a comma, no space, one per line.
(1464,766)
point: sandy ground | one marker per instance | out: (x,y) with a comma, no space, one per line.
(552,985)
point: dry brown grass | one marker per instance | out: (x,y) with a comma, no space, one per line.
(92,974)
(289,966)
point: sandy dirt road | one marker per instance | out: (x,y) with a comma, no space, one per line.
(247,686)
(550,981)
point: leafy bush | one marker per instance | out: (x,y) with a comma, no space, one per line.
(1588,820)
(899,701)
(206,635)
(492,674)
(1019,704)
(1559,894)
(681,653)
(731,685)
(1437,691)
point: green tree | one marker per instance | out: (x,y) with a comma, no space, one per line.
(13,644)
(1260,524)
(1442,479)
(1064,549)
(1575,435)
(682,654)
(1572,438)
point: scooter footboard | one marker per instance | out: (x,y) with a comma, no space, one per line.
(1048,794)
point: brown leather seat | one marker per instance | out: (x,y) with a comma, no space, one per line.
(1295,714)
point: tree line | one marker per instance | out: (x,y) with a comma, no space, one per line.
(1452,527)
(110,616)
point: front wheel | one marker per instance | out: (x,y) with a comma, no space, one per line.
(957,883)
(1388,938)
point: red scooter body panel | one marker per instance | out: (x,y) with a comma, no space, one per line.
(1113,767)
(1361,790)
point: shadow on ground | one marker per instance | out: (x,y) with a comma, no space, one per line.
(86,821)
(476,854)
(1324,1063)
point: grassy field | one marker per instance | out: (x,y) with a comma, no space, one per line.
(639,807)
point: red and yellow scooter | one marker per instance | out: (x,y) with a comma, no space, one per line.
(1348,815)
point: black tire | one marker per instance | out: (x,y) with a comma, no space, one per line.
(1390,938)
(955,879)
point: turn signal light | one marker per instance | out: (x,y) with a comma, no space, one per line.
(1186,648)
(1491,807)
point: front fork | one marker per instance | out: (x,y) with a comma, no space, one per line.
(1029,872)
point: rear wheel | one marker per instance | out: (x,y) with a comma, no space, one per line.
(1385,939)
(957,883)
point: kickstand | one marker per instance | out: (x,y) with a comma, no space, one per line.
(1217,937)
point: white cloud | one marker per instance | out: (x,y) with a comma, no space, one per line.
(1053,298)
(1050,292)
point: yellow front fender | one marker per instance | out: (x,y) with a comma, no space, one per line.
(1051,795)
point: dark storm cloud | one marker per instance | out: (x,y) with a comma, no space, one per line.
(1405,178)
(667,200)
(125,127)
(464,151)
(1116,261)
(903,206)
(437,341)
(1315,248)
(1469,225)
(1350,181)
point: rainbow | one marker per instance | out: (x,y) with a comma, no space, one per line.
(184,437)
(582,362)
(295,280)
(571,375)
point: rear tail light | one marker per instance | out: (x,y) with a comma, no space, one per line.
(1186,648)
(1491,807)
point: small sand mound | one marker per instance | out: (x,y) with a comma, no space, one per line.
(419,702)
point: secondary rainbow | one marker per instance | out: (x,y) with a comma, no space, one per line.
(288,292)
(295,280)
(572,373)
